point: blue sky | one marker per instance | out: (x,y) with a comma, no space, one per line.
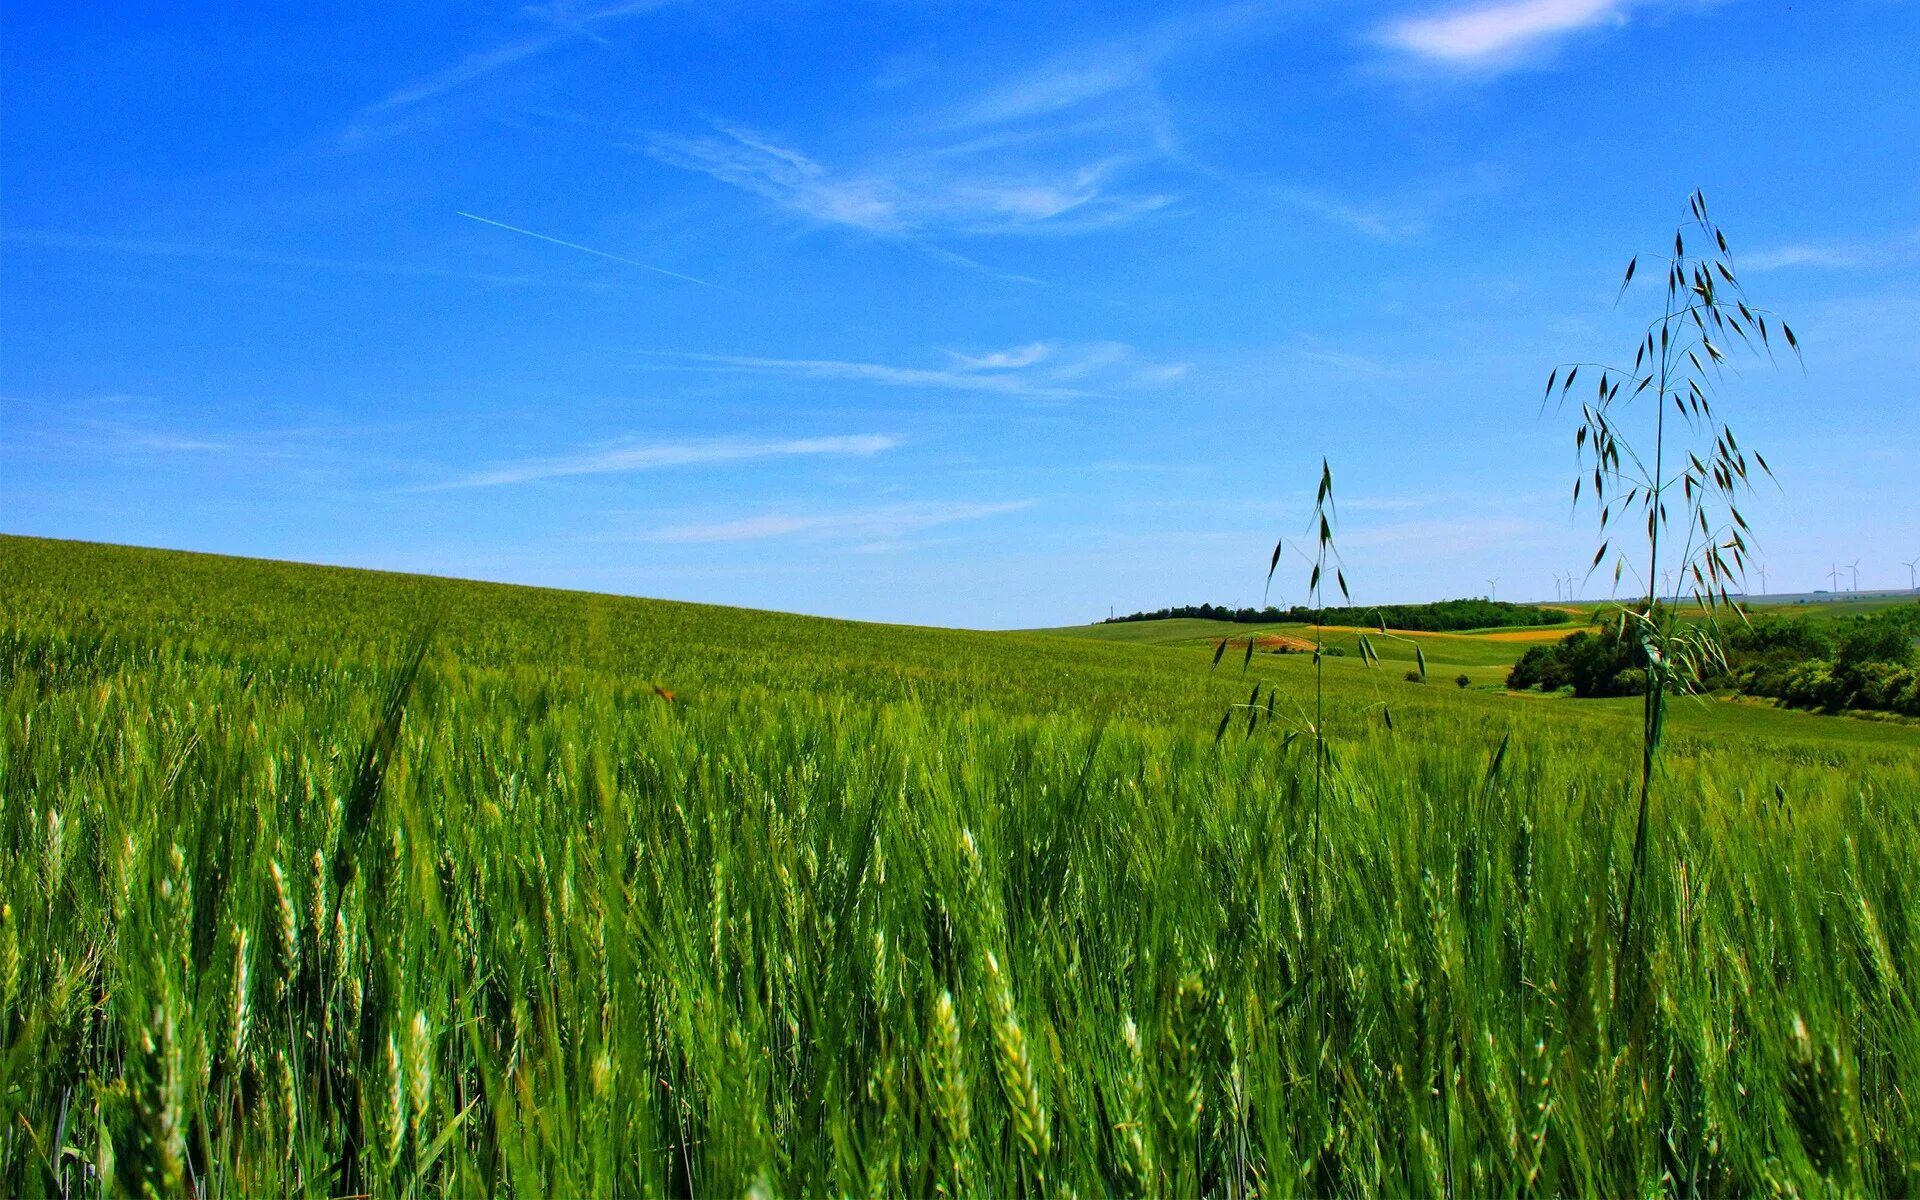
(991,315)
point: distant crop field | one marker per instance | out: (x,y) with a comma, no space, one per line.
(342,883)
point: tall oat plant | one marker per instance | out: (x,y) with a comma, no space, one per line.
(1323,561)
(1666,475)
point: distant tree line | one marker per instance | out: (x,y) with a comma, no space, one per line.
(1440,616)
(1864,663)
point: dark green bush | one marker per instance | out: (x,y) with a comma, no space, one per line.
(1604,664)
(1867,663)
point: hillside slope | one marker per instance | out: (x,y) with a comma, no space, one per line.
(260,611)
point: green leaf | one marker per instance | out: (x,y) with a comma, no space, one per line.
(1493,771)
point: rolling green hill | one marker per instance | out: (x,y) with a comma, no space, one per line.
(587,895)
(1155,672)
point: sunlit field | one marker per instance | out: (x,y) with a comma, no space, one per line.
(618,897)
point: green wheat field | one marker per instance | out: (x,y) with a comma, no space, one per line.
(328,883)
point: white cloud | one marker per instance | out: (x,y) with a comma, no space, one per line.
(1495,34)
(1002,382)
(1372,222)
(1121,64)
(1436,538)
(1001,360)
(652,456)
(164,443)
(467,70)
(787,177)
(1059,85)
(878,524)
(562,23)
(583,249)
(1038,369)
(68,426)
(147,248)
(1832,255)
(1073,143)
(916,193)
(742,530)
(1318,350)
(1800,256)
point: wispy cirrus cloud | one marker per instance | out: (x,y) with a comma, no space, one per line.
(1001,360)
(142,429)
(606,254)
(653,456)
(1833,255)
(1347,361)
(1041,370)
(916,194)
(1503,33)
(555,25)
(878,524)
(1438,538)
(865,372)
(1061,84)
(246,257)
(1075,142)
(1370,221)
(1125,63)
(157,441)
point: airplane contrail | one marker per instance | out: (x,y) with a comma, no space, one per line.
(583,249)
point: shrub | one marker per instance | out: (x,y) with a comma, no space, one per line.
(1809,685)
(1773,637)
(1875,641)
(1415,677)
(1528,671)
(1592,665)
(1869,662)
(1461,680)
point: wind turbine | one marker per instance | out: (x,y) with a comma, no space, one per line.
(1493,588)
(1763,579)
(1854,566)
(1909,565)
(1833,576)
